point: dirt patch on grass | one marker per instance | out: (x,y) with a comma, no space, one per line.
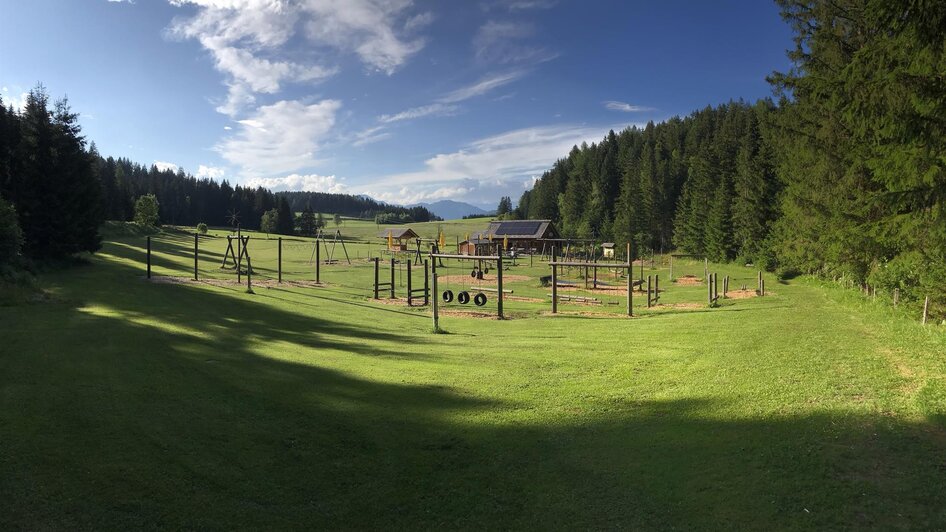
(683,305)
(470,314)
(688,280)
(601,290)
(488,279)
(741,294)
(588,314)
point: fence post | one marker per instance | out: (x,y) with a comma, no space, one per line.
(709,289)
(926,309)
(410,296)
(195,256)
(554,281)
(318,262)
(656,287)
(648,290)
(499,283)
(630,283)
(392,278)
(249,276)
(377,268)
(279,260)
(149,257)
(671,267)
(436,299)
(896,296)
(426,285)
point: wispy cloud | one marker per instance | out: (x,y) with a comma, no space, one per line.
(370,136)
(435,109)
(481,87)
(501,42)
(280,138)
(500,162)
(626,107)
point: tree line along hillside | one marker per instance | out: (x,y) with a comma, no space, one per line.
(842,176)
(62,189)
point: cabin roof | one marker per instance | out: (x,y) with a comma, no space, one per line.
(398,233)
(521,229)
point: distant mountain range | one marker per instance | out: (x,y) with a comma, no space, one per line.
(452,210)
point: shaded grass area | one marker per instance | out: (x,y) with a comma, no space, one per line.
(125,403)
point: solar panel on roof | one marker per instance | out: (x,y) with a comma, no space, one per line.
(518,228)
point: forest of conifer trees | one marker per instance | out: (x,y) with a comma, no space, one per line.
(843,176)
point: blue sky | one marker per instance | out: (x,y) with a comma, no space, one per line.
(404,101)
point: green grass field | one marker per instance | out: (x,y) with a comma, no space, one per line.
(133,404)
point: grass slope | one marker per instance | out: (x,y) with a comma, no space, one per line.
(125,403)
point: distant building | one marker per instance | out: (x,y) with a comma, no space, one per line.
(607,250)
(519,234)
(400,238)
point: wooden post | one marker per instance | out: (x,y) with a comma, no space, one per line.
(195,255)
(426,285)
(763,286)
(279,260)
(705,266)
(499,284)
(392,278)
(709,289)
(595,285)
(630,283)
(759,283)
(656,287)
(410,296)
(239,266)
(648,291)
(896,296)
(318,263)
(377,269)
(554,281)
(149,257)
(586,277)
(926,309)
(671,268)
(249,276)
(436,298)
(715,287)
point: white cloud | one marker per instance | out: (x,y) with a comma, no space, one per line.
(280,138)
(436,109)
(307,183)
(211,172)
(162,166)
(12,100)
(497,162)
(481,87)
(251,40)
(626,107)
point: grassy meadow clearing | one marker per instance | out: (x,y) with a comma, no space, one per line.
(174,404)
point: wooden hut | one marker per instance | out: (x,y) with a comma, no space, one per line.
(520,234)
(398,239)
(607,250)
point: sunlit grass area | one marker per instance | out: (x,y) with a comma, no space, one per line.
(128,403)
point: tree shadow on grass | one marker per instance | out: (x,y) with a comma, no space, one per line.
(115,419)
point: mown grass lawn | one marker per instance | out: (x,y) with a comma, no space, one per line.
(125,403)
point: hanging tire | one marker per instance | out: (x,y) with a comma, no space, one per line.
(447,296)
(486,271)
(473,274)
(480,299)
(479,275)
(463,298)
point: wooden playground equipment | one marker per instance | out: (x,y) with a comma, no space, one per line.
(463,297)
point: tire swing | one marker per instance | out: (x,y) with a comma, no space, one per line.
(447,296)
(480,299)
(463,297)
